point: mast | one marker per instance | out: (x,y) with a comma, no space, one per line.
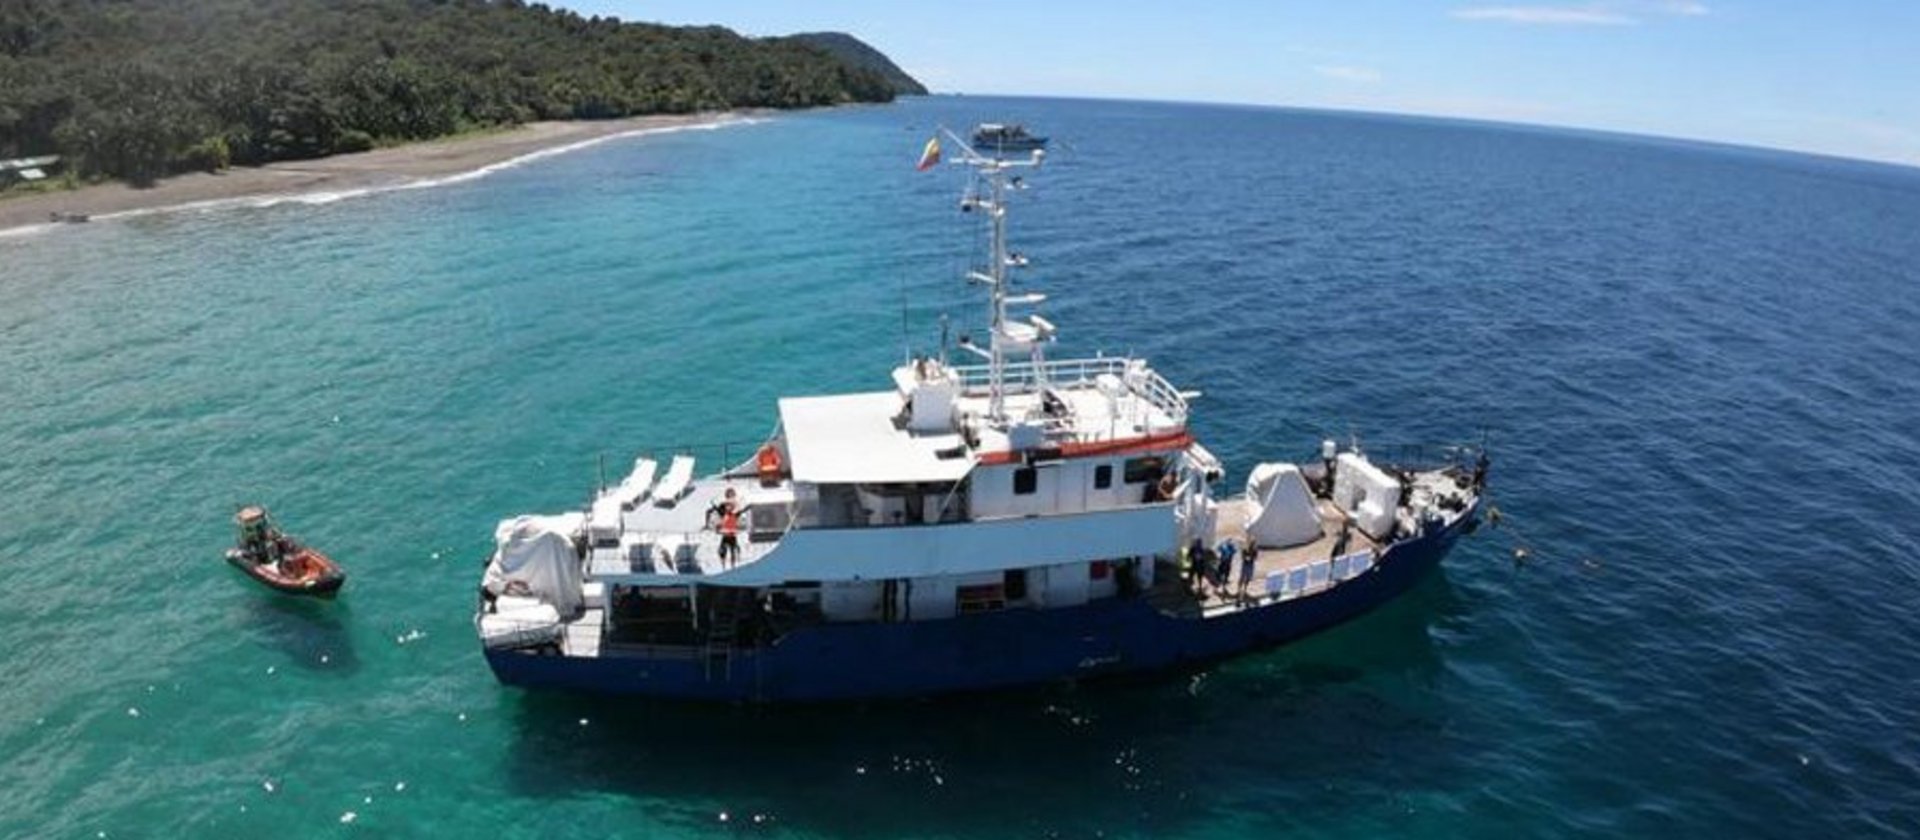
(1009,337)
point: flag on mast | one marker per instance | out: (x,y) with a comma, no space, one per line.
(929,156)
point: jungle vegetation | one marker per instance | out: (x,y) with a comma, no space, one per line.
(138,89)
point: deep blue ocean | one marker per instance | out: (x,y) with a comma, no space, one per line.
(1698,369)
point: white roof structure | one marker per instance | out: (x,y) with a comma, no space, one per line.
(853,439)
(29,163)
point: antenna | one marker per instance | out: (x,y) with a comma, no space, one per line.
(996,174)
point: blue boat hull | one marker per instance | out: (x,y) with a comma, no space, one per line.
(980,652)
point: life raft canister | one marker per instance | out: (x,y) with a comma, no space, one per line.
(768,460)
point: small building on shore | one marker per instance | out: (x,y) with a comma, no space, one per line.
(27,170)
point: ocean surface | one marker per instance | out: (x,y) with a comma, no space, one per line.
(1698,368)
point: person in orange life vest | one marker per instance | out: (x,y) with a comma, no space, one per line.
(727,513)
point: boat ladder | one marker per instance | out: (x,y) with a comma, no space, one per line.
(724,625)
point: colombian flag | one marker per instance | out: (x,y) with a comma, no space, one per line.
(929,156)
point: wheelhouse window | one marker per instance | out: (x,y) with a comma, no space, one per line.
(1025,481)
(1103,476)
(1143,470)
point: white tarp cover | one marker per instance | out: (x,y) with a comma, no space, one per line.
(1366,493)
(1283,513)
(851,439)
(536,552)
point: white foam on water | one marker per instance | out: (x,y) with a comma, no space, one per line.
(26,230)
(554,151)
(316,198)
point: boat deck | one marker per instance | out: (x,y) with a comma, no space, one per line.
(1144,404)
(676,536)
(1190,597)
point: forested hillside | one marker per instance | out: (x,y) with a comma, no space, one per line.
(859,54)
(142,88)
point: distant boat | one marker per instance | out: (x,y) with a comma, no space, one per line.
(279,562)
(71,218)
(996,138)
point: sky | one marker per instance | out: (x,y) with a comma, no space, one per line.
(1838,77)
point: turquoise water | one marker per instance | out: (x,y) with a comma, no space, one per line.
(1697,367)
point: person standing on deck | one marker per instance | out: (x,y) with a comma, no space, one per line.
(1223,572)
(1196,566)
(727,511)
(1247,561)
(1340,542)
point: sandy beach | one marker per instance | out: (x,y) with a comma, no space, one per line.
(365,170)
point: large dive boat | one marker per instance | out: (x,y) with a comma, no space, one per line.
(1015,521)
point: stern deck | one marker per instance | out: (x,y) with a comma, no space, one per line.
(1191,597)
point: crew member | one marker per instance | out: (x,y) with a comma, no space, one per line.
(1223,571)
(1247,561)
(726,512)
(1200,564)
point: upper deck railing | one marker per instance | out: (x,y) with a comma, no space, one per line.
(1020,377)
(1415,457)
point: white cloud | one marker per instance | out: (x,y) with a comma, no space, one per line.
(1547,15)
(1623,13)
(1325,54)
(1685,8)
(1348,73)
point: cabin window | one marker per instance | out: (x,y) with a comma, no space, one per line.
(1015,584)
(983,598)
(1099,569)
(1103,476)
(1025,481)
(1143,470)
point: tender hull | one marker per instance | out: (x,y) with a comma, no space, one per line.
(996,650)
(324,583)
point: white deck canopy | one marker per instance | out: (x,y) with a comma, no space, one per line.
(853,439)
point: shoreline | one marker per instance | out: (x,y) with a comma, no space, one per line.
(411,166)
